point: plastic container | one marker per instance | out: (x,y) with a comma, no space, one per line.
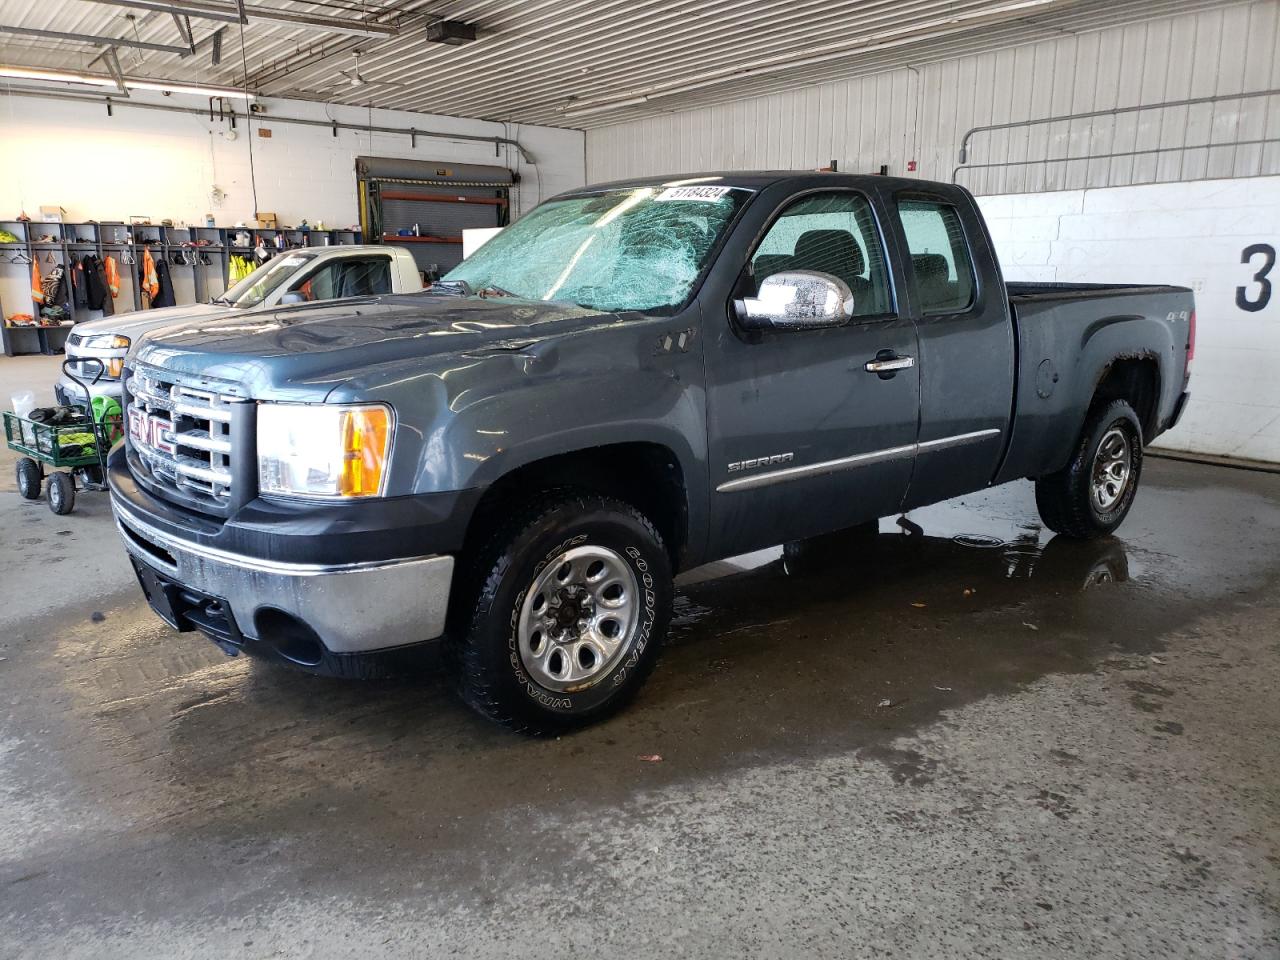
(23,403)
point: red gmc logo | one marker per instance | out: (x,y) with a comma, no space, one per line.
(150,430)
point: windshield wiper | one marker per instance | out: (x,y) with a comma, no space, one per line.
(222,300)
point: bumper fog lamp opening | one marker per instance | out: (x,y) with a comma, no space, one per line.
(288,636)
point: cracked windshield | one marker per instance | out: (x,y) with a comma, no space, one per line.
(641,248)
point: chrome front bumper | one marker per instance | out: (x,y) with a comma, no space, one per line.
(353,608)
(67,390)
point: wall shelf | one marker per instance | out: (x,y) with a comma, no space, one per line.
(194,245)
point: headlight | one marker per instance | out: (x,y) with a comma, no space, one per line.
(107,341)
(317,450)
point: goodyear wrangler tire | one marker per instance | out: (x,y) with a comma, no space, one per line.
(1092,494)
(571,601)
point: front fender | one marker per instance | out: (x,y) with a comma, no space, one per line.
(475,417)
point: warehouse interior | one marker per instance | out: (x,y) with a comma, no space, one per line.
(961,734)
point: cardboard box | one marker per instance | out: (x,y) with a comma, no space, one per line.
(267,220)
(52,214)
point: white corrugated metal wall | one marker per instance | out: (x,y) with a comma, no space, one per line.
(922,112)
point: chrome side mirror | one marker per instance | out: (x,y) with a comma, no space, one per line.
(797,300)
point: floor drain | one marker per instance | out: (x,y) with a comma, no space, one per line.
(978,540)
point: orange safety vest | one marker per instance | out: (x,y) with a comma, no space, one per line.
(150,282)
(37,291)
(113,275)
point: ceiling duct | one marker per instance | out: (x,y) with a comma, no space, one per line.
(453,32)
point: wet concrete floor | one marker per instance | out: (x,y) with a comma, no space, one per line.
(974,741)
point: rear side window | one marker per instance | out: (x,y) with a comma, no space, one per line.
(833,233)
(350,277)
(939,255)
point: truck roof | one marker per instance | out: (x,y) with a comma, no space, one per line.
(751,179)
(347,248)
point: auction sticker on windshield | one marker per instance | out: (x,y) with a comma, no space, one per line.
(704,194)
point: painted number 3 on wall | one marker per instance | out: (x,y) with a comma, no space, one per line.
(1259,296)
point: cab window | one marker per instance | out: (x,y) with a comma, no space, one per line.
(939,255)
(832,233)
(350,277)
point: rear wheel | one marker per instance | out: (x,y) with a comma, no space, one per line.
(30,476)
(568,605)
(1091,496)
(62,493)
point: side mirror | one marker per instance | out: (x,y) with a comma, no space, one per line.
(797,300)
(293,296)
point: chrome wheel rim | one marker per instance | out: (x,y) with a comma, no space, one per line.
(1112,467)
(578,618)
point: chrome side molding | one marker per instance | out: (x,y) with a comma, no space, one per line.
(848,463)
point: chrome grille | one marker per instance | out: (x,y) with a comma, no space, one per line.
(182,435)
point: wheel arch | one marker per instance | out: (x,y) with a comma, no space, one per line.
(647,474)
(1136,380)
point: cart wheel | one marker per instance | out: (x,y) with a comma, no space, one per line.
(30,475)
(62,493)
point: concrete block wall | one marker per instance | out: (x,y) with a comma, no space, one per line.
(1193,234)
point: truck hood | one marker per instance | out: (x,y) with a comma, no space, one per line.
(137,322)
(299,350)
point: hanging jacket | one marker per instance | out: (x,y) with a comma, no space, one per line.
(149,281)
(79,284)
(37,285)
(113,275)
(55,287)
(164,296)
(98,282)
(95,282)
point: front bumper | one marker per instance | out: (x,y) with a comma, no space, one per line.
(348,581)
(351,608)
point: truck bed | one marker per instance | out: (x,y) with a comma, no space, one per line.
(1040,292)
(1068,336)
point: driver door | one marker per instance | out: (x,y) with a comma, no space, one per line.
(803,438)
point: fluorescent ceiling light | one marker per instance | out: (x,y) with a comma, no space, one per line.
(883,39)
(100,80)
(196,91)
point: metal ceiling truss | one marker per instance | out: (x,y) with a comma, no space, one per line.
(243,13)
(94,39)
(567,63)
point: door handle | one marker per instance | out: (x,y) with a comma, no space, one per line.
(889,364)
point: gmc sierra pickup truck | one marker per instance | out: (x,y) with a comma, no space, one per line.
(632,379)
(302,275)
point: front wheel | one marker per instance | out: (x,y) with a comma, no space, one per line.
(570,603)
(1092,494)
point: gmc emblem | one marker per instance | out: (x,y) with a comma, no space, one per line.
(151,431)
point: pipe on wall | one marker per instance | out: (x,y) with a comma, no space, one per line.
(412,132)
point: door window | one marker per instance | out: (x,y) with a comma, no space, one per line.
(350,277)
(833,233)
(939,255)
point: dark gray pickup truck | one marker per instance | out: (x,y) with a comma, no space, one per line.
(633,379)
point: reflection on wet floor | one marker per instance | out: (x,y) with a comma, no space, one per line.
(844,649)
(1027,549)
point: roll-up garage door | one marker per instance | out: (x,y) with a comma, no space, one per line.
(425,205)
